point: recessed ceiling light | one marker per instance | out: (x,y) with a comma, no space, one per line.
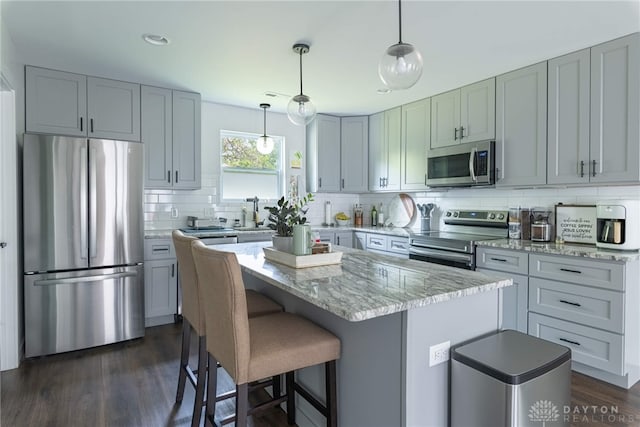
(384,90)
(155,39)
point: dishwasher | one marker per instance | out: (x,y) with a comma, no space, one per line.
(211,240)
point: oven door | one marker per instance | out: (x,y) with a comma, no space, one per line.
(438,256)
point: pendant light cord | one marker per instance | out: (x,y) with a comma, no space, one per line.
(264,123)
(301,71)
(399,22)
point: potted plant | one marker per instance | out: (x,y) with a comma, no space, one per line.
(283,217)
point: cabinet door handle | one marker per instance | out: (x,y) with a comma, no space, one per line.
(568,270)
(569,341)
(497,174)
(81,123)
(384,181)
(169,177)
(581,168)
(338,240)
(319,182)
(176,177)
(455,134)
(461,132)
(91,123)
(425,179)
(593,173)
(380,182)
(173,270)
(498,259)
(575,304)
(342,183)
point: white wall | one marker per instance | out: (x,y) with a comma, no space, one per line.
(216,117)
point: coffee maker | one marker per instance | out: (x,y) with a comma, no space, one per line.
(618,224)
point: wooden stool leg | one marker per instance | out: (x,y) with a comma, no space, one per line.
(291,398)
(184,359)
(212,386)
(242,404)
(201,381)
(331,393)
(276,386)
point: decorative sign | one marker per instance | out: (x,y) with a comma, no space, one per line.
(576,223)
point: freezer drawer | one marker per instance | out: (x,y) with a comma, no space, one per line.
(81,309)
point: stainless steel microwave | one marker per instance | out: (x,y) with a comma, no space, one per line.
(462,165)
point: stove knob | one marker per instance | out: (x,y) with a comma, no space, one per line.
(492,216)
(448,213)
(500,216)
(455,214)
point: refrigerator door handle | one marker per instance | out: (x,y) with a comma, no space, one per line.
(98,278)
(84,200)
(92,203)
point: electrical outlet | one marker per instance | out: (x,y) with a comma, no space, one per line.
(439,353)
(174,212)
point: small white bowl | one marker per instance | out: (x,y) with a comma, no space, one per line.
(343,222)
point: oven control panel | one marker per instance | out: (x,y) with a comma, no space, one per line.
(496,218)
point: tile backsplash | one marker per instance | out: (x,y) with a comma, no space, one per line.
(168,209)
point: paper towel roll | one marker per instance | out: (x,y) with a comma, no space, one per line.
(327,212)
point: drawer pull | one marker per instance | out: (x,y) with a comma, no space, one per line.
(568,270)
(571,303)
(569,341)
(498,259)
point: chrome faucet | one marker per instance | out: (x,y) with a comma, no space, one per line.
(256,217)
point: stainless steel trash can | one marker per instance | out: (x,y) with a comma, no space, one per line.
(510,379)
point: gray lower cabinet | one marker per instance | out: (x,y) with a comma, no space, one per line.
(341,238)
(513,299)
(387,244)
(160,282)
(521,127)
(171,137)
(62,103)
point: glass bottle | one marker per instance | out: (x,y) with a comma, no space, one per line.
(374,216)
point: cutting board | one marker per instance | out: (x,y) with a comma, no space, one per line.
(402,211)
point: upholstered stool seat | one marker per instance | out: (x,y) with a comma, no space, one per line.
(250,349)
(193,318)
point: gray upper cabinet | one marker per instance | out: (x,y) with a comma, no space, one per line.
(113,108)
(354,143)
(615,109)
(171,137)
(332,141)
(56,102)
(568,119)
(521,127)
(416,133)
(186,140)
(466,114)
(385,148)
(323,154)
(72,104)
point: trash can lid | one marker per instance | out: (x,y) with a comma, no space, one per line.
(511,356)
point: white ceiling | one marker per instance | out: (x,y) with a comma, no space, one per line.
(232,52)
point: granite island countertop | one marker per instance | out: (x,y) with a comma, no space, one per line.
(366,285)
(567,249)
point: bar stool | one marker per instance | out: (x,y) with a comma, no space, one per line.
(193,318)
(250,349)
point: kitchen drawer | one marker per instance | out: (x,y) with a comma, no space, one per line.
(502,260)
(377,241)
(583,271)
(398,245)
(599,308)
(590,346)
(158,249)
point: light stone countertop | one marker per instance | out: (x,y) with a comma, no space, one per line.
(392,231)
(562,249)
(366,285)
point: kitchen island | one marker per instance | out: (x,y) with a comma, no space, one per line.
(387,313)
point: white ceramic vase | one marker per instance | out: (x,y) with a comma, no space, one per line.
(283,244)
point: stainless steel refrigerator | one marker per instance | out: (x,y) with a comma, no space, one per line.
(83,243)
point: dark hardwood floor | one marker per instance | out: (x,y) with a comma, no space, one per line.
(134,384)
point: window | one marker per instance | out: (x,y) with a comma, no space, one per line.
(246,172)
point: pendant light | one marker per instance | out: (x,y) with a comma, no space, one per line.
(301,110)
(401,65)
(264,144)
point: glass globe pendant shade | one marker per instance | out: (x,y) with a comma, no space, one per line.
(400,67)
(301,110)
(264,145)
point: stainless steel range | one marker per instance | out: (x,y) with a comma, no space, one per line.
(454,245)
